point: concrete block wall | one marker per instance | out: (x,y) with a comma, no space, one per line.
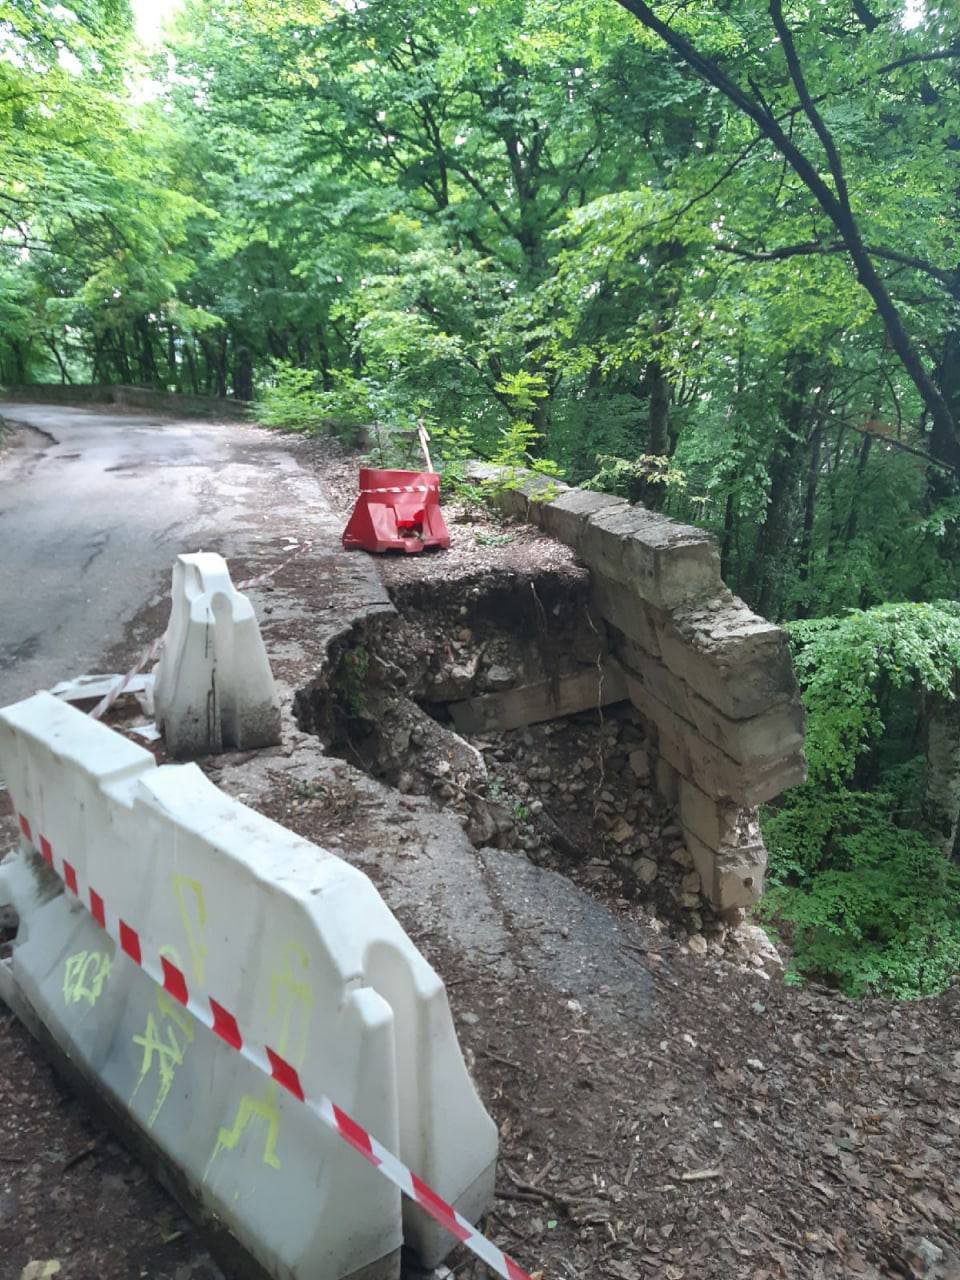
(151,399)
(714,679)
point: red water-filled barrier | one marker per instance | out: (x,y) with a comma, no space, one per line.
(397,511)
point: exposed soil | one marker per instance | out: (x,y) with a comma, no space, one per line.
(481,541)
(575,793)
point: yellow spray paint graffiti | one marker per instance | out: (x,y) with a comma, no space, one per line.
(164,1042)
(249,1110)
(183,890)
(291,1007)
(291,1002)
(161,1045)
(84,976)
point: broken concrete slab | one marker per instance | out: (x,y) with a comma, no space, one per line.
(546,700)
(564,517)
(455,680)
(665,563)
(732,657)
(771,734)
(93,688)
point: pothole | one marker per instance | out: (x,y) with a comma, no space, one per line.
(490,695)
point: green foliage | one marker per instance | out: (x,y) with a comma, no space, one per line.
(522,390)
(351,681)
(290,401)
(844,664)
(872,905)
(631,478)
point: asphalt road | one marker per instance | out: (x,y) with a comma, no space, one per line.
(93,512)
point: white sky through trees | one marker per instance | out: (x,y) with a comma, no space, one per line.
(150,15)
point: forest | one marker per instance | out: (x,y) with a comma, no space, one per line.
(705,255)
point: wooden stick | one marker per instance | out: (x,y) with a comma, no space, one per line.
(424,438)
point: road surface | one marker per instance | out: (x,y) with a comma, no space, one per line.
(94,507)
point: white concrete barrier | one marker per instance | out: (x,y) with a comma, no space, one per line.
(213,688)
(215,975)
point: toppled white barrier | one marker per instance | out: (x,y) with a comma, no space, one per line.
(220,979)
(213,687)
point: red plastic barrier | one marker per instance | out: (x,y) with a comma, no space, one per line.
(397,511)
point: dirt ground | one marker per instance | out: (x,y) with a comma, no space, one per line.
(731,1127)
(744,1129)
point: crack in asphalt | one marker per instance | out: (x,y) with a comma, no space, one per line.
(97,544)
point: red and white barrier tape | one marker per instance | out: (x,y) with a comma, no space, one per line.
(405,488)
(222,1023)
(109,698)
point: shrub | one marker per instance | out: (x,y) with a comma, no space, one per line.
(292,401)
(872,904)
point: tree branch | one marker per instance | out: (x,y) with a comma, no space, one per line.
(936,55)
(902,447)
(868,18)
(814,247)
(810,110)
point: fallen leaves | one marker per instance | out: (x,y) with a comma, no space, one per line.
(41,1270)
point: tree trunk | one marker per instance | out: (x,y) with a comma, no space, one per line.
(98,374)
(277,344)
(942,801)
(658,435)
(123,361)
(809,511)
(942,486)
(242,374)
(775,532)
(215,359)
(324,353)
(172,358)
(222,368)
(191,363)
(19,364)
(945,445)
(145,357)
(726,543)
(64,376)
(850,532)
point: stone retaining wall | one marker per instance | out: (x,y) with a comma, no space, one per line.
(150,398)
(714,679)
